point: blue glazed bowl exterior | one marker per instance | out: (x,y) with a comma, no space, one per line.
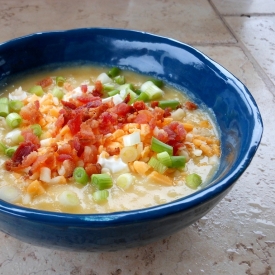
(176,63)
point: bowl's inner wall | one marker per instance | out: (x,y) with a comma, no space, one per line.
(176,63)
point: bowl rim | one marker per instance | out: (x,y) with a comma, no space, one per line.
(158,211)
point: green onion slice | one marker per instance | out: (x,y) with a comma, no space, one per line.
(3,147)
(120,79)
(159,83)
(153,91)
(10,151)
(115,71)
(193,181)
(37,90)
(16,105)
(37,130)
(4,109)
(178,161)
(173,104)
(102,181)
(80,175)
(159,146)
(124,181)
(100,196)
(13,120)
(113,92)
(57,92)
(60,80)
(157,165)
(164,158)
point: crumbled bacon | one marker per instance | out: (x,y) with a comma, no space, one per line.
(191,106)
(91,168)
(31,113)
(45,82)
(84,88)
(98,90)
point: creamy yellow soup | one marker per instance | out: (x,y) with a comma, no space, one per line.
(84,118)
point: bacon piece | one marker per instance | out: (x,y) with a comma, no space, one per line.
(69,167)
(24,149)
(127,98)
(154,104)
(45,82)
(139,105)
(191,106)
(89,154)
(122,109)
(143,117)
(48,160)
(91,168)
(75,123)
(84,88)
(19,162)
(98,89)
(68,104)
(63,157)
(29,136)
(30,112)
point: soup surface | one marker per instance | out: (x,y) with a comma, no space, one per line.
(93,140)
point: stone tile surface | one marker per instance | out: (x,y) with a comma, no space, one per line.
(168,18)
(258,35)
(236,237)
(244,6)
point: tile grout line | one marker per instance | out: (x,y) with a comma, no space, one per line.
(269,84)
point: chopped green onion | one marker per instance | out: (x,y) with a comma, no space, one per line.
(157,165)
(37,90)
(173,104)
(164,158)
(37,130)
(120,79)
(128,154)
(178,161)
(138,91)
(193,181)
(159,146)
(115,71)
(10,151)
(108,87)
(60,81)
(69,199)
(57,92)
(3,147)
(124,181)
(102,181)
(143,97)
(159,83)
(127,86)
(80,175)
(14,137)
(13,120)
(153,91)
(113,92)
(100,196)
(4,100)
(4,109)
(16,105)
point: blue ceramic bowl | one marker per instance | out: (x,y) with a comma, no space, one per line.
(174,62)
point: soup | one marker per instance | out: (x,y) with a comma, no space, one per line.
(91,140)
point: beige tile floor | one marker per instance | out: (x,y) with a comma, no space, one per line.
(238,236)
